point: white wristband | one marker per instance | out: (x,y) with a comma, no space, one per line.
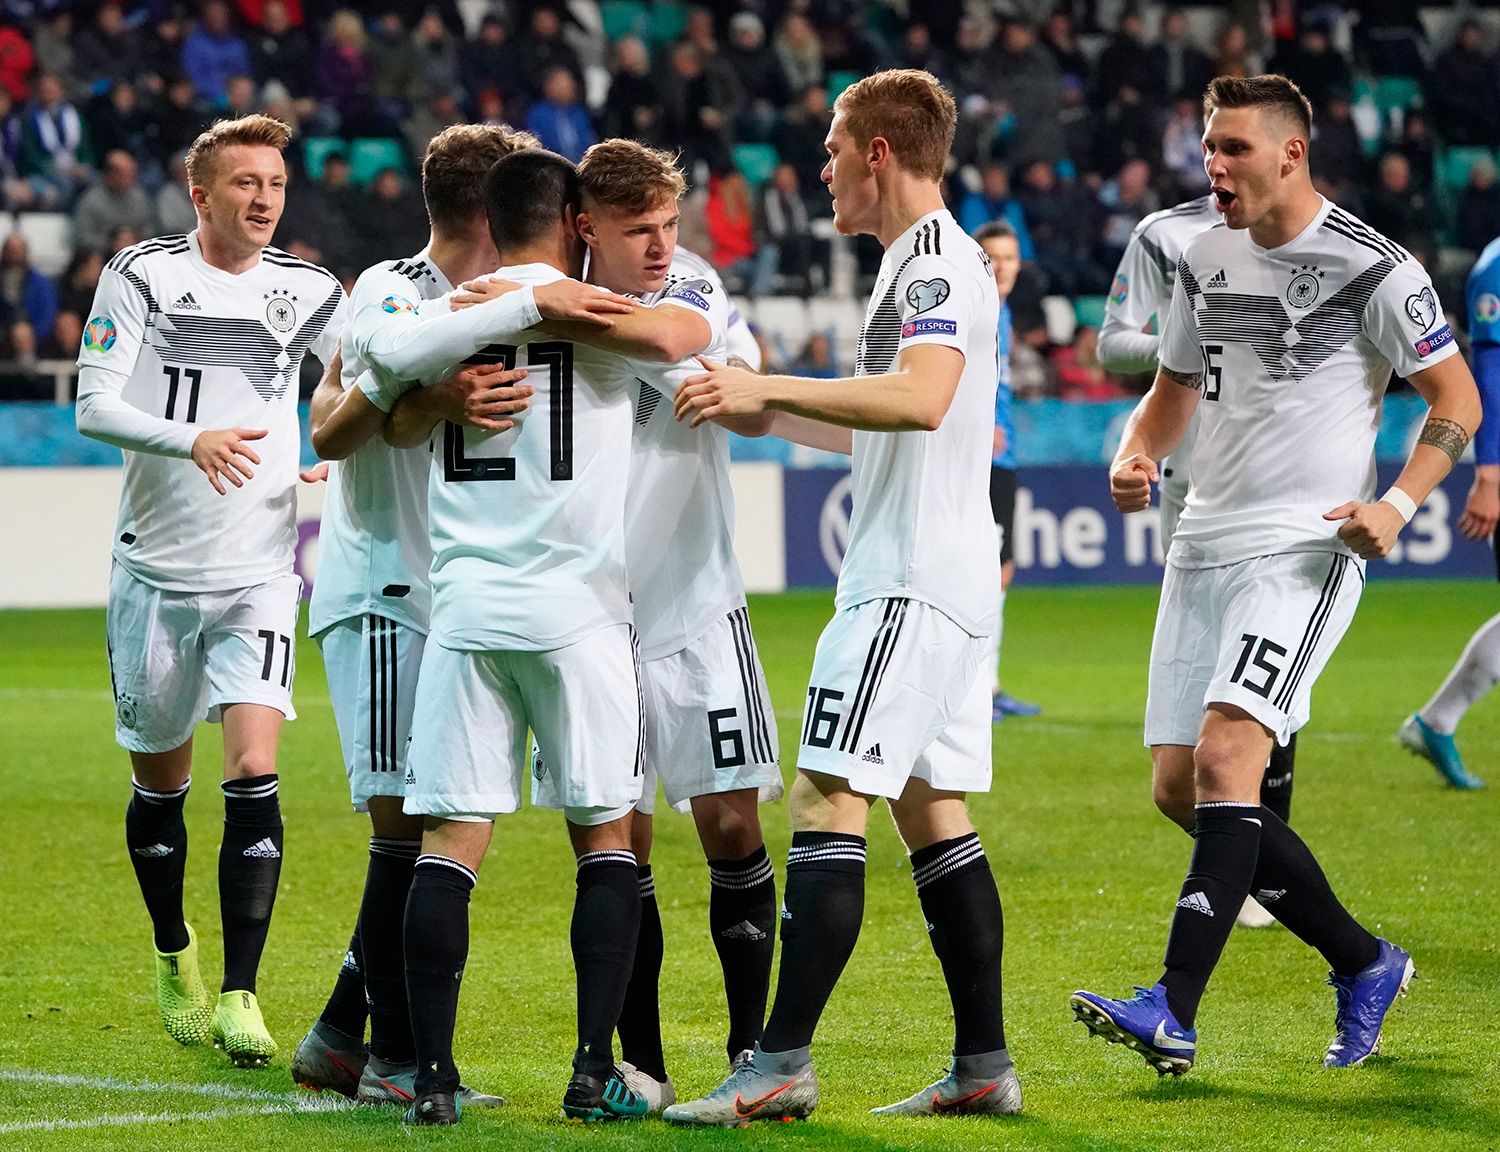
(1403,503)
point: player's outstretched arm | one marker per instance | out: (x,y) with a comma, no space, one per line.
(425,345)
(1154,430)
(1453,416)
(1122,349)
(341,421)
(481,395)
(913,398)
(813,433)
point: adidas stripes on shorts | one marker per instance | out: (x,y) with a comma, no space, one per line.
(372,663)
(176,658)
(898,690)
(1256,634)
(710,725)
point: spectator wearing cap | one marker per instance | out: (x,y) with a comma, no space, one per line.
(212,53)
(117,201)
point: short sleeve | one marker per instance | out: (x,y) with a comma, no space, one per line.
(699,295)
(1180,350)
(1404,320)
(116,328)
(380,296)
(1141,288)
(938,303)
(326,343)
(1483,296)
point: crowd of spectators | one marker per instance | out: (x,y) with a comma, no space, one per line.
(1076,121)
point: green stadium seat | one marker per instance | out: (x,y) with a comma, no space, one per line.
(370,155)
(1397,92)
(756,162)
(316,149)
(622,18)
(1453,166)
(838,81)
(1090,311)
(665,21)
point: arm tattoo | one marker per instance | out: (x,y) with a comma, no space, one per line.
(738,362)
(1193,380)
(1448,435)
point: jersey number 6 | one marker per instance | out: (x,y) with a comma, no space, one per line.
(557,357)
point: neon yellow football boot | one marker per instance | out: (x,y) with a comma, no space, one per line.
(187,1010)
(239,1030)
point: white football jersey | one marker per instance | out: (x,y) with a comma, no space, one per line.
(528,525)
(679,508)
(179,339)
(1296,345)
(373,547)
(922,525)
(1142,289)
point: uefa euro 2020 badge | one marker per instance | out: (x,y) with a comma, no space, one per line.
(100,334)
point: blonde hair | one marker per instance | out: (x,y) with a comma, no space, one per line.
(908,108)
(455,164)
(254,131)
(628,177)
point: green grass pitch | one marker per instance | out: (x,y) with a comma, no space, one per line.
(1087,870)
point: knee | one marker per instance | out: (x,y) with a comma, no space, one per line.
(728,824)
(1215,765)
(1174,800)
(247,762)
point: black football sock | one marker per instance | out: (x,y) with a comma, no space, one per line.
(382,917)
(346,1009)
(640,1017)
(606,922)
(157,839)
(1226,840)
(437,948)
(967,929)
(249,870)
(1292,887)
(1276,786)
(825,902)
(742,920)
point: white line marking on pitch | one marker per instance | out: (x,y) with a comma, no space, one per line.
(133,1119)
(111,1084)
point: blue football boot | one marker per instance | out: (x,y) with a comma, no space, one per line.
(1363,1001)
(1439,749)
(1143,1024)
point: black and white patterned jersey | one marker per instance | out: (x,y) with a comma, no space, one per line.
(922,527)
(1296,345)
(191,345)
(1142,287)
(373,547)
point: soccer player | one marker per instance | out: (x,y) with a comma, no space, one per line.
(899,703)
(1430,732)
(530,630)
(1138,302)
(190,364)
(710,725)
(1284,329)
(998,239)
(371,600)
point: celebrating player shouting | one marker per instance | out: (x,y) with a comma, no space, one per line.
(899,704)
(190,364)
(1283,332)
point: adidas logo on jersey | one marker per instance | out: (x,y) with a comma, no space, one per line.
(1218,280)
(263,850)
(154,851)
(872,755)
(744,930)
(1197,902)
(188,304)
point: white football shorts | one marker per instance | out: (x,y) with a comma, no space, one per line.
(176,658)
(1254,634)
(710,726)
(898,690)
(473,709)
(372,664)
